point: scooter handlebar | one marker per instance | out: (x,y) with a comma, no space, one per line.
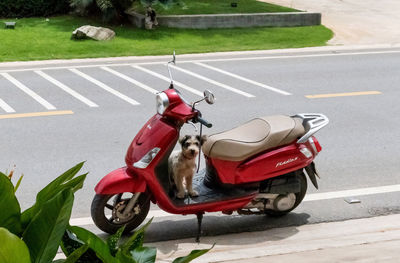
(204,122)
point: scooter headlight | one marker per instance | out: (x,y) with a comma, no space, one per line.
(162,102)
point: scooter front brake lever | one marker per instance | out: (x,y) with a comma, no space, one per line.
(195,128)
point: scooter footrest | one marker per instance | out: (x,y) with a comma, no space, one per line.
(210,195)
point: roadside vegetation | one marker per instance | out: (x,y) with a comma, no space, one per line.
(194,7)
(39,39)
(36,234)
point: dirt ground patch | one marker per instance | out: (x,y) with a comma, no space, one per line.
(355,22)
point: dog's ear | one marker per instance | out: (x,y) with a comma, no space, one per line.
(183,139)
(201,139)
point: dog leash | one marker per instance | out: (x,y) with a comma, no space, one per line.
(198,163)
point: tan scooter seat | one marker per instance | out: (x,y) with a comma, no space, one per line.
(253,137)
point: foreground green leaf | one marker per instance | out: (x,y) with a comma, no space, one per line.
(136,240)
(95,243)
(43,234)
(56,186)
(70,243)
(112,241)
(10,216)
(77,254)
(144,254)
(12,248)
(194,254)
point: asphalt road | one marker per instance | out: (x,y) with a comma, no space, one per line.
(106,109)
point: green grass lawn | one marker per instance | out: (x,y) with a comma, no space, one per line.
(36,39)
(193,7)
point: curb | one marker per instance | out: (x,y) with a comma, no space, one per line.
(201,55)
(277,242)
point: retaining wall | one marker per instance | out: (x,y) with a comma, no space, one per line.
(233,20)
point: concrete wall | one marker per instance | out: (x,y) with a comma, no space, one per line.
(236,20)
(135,18)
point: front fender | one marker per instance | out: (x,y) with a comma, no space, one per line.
(119,181)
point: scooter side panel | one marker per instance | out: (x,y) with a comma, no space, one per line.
(274,163)
(120,181)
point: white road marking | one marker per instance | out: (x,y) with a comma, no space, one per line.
(310,197)
(213,60)
(7,108)
(66,89)
(84,221)
(244,79)
(105,87)
(183,86)
(216,83)
(353,192)
(28,91)
(131,80)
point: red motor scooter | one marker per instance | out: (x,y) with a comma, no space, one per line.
(256,168)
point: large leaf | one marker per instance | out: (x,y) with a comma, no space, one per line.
(194,254)
(95,243)
(136,240)
(10,216)
(70,243)
(76,254)
(56,186)
(12,248)
(112,241)
(144,254)
(43,234)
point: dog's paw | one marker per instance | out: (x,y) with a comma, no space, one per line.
(194,193)
(180,195)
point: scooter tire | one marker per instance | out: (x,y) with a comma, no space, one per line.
(99,218)
(299,199)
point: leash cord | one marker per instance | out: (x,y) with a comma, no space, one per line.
(201,133)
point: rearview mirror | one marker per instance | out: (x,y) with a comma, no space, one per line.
(209,97)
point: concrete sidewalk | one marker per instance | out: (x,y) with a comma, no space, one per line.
(374,239)
(354,22)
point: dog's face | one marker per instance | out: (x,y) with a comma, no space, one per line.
(191,145)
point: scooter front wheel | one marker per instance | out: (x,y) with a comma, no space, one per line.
(108,211)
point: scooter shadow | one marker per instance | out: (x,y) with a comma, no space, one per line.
(221,225)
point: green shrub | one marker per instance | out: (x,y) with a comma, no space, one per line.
(35,235)
(29,8)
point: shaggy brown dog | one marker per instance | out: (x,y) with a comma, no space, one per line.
(182,164)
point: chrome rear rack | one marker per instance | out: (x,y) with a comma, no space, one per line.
(312,122)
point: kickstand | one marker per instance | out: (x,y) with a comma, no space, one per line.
(199,220)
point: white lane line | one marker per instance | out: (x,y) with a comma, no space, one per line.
(353,192)
(183,86)
(28,91)
(84,221)
(131,80)
(7,108)
(308,198)
(66,89)
(216,83)
(105,87)
(244,79)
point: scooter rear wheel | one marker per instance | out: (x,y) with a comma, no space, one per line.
(299,197)
(106,211)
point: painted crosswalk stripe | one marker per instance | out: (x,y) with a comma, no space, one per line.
(28,91)
(155,74)
(66,89)
(105,87)
(131,80)
(216,83)
(7,108)
(244,79)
